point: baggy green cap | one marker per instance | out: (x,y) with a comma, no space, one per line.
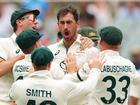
(41,56)
(27,38)
(20,13)
(111,35)
(89,32)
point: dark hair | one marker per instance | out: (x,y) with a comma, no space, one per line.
(68,9)
(85,16)
(15,27)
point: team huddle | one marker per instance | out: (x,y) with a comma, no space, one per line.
(83,68)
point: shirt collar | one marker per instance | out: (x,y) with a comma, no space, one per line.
(14,37)
(41,74)
(109,52)
(76,41)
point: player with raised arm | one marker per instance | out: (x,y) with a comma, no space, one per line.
(41,89)
(21,19)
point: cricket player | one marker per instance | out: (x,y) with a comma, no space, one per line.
(21,19)
(41,89)
(117,74)
(26,41)
(68,22)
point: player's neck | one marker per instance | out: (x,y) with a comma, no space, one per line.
(68,43)
(18,32)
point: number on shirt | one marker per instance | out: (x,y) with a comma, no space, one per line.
(112,92)
(45,102)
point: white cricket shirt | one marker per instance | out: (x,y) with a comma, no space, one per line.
(8,50)
(60,53)
(22,67)
(41,88)
(114,83)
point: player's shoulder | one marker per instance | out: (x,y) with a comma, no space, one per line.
(5,40)
(53,46)
(94,49)
(21,61)
(56,48)
(68,83)
(127,60)
(17,83)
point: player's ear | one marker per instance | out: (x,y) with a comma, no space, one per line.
(38,44)
(48,66)
(18,22)
(78,24)
(33,66)
(100,42)
(58,23)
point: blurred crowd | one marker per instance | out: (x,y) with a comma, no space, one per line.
(96,13)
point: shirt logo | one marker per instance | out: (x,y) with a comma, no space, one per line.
(63,66)
(17,51)
(57,52)
(92,34)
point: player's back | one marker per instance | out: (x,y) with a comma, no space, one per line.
(114,83)
(35,90)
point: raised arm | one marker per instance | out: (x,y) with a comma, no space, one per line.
(6,65)
(80,73)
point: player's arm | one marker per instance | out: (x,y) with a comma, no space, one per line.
(96,61)
(134,95)
(88,85)
(85,87)
(74,74)
(6,65)
(12,92)
(82,73)
(135,77)
(133,100)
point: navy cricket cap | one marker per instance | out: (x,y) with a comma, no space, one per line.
(41,56)
(111,35)
(27,38)
(20,13)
